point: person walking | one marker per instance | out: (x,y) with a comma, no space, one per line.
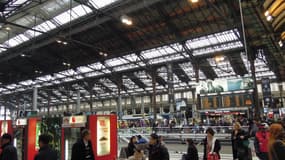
(276,144)
(156,150)
(239,140)
(45,151)
(192,152)
(82,149)
(261,142)
(9,152)
(212,145)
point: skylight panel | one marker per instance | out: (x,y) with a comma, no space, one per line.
(84,69)
(132,57)
(46,78)
(26,83)
(101,3)
(81,10)
(19,2)
(222,69)
(115,62)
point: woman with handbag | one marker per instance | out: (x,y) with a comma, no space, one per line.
(192,152)
(239,143)
(212,146)
(276,144)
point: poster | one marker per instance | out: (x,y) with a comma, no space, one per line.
(4,127)
(223,85)
(103,136)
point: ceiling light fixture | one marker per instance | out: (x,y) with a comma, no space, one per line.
(65,43)
(105,54)
(269,18)
(101,53)
(23,55)
(58,41)
(219,59)
(266,13)
(194,1)
(8,28)
(66,64)
(126,20)
(280,43)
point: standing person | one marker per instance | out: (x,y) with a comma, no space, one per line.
(261,142)
(131,146)
(45,151)
(156,150)
(82,149)
(192,152)
(276,143)
(9,152)
(211,144)
(239,138)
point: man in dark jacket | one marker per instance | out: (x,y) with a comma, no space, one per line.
(156,150)
(82,149)
(9,152)
(45,151)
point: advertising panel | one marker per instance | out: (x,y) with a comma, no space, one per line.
(103,136)
(218,86)
(74,121)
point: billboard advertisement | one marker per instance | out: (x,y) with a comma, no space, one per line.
(223,85)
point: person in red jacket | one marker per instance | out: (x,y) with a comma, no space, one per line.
(261,142)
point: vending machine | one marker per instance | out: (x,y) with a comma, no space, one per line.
(70,133)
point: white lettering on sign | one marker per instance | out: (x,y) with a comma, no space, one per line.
(21,122)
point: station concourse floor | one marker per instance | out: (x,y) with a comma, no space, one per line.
(176,151)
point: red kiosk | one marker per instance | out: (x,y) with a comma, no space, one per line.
(26,133)
(103,135)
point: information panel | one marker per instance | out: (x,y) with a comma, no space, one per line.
(226,101)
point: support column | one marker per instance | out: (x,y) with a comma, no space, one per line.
(78,107)
(281,93)
(170,87)
(119,104)
(193,91)
(154,97)
(35,98)
(255,92)
(161,105)
(142,105)
(133,104)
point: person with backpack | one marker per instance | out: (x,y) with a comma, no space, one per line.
(261,142)
(212,146)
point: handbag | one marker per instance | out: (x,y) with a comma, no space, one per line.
(212,155)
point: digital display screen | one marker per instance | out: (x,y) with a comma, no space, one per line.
(226,101)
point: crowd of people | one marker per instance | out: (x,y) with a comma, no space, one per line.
(269,144)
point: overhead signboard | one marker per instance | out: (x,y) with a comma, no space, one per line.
(226,101)
(218,86)
(74,121)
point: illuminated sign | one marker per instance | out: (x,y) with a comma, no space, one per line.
(21,122)
(4,127)
(103,136)
(74,121)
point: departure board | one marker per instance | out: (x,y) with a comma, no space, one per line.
(226,101)
(209,102)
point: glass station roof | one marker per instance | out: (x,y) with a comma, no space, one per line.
(49,15)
